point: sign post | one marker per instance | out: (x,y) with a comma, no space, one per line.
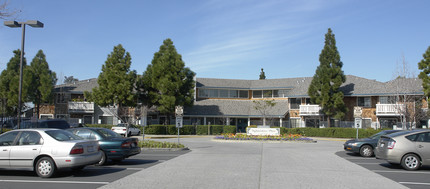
(179,111)
(358,113)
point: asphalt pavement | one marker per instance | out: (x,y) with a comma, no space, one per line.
(214,164)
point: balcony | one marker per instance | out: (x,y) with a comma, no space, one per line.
(310,110)
(389,109)
(81,107)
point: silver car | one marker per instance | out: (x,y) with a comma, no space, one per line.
(411,149)
(46,150)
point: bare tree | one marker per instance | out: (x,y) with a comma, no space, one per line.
(407,98)
(263,106)
(6,12)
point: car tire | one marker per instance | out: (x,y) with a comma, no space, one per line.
(129,134)
(103,160)
(366,151)
(45,167)
(411,162)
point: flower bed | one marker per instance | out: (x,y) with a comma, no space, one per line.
(244,137)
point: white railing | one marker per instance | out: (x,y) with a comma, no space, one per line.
(310,110)
(81,107)
(389,109)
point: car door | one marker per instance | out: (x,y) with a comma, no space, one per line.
(422,145)
(27,148)
(6,143)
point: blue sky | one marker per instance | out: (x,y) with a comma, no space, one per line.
(224,39)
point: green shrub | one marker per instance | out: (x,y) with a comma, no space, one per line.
(156,144)
(229,129)
(107,126)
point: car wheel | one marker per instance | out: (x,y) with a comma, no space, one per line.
(45,167)
(103,159)
(366,151)
(411,162)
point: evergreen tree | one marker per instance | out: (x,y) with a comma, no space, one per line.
(39,81)
(166,82)
(262,75)
(9,83)
(324,88)
(424,65)
(116,82)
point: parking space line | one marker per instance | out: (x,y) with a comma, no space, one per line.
(412,172)
(61,182)
(415,183)
(368,163)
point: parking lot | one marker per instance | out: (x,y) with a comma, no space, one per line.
(411,179)
(90,177)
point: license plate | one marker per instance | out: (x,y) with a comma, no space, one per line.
(133,144)
(90,148)
(382,145)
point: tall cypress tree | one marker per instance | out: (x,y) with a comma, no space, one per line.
(9,83)
(324,88)
(116,82)
(39,81)
(424,65)
(167,82)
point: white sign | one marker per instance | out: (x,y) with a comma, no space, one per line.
(358,112)
(264,131)
(357,123)
(179,111)
(179,122)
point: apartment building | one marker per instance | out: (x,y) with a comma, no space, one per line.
(232,102)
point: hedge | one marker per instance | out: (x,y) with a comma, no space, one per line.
(333,132)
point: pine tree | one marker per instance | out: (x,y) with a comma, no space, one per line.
(324,88)
(262,75)
(39,81)
(9,83)
(167,82)
(116,83)
(424,65)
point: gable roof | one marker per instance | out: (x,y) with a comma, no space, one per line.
(78,87)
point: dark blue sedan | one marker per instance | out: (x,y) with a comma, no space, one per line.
(113,146)
(365,146)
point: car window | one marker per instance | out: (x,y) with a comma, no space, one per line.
(85,133)
(29,138)
(7,139)
(423,137)
(62,135)
(108,133)
(412,137)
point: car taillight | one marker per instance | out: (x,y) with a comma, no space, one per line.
(391,144)
(77,150)
(126,145)
(124,129)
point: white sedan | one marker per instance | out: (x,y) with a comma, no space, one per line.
(122,129)
(46,150)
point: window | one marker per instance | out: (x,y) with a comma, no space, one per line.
(387,99)
(282,93)
(8,138)
(364,102)
(203,93)
(295,103)
(267,93)
(223,93)
(295,123)
(213,93)
(29,138)
(243,94)
(233,94)
(106,120)
(62,98)
(257,94)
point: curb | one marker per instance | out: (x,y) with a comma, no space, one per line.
(165,149)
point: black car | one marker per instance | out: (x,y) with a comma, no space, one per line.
(50,123)
(113,146)
(365,146)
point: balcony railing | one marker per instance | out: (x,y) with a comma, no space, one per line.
(389,109)
(310,110)
(81,107)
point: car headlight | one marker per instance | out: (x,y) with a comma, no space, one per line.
(353,144)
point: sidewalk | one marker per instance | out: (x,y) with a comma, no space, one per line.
(212,164)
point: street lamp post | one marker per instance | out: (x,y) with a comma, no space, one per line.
(15,24)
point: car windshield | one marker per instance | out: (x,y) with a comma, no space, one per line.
(377,135)
(106,133)
(62,135)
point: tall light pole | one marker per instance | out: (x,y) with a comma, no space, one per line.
(15,24)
